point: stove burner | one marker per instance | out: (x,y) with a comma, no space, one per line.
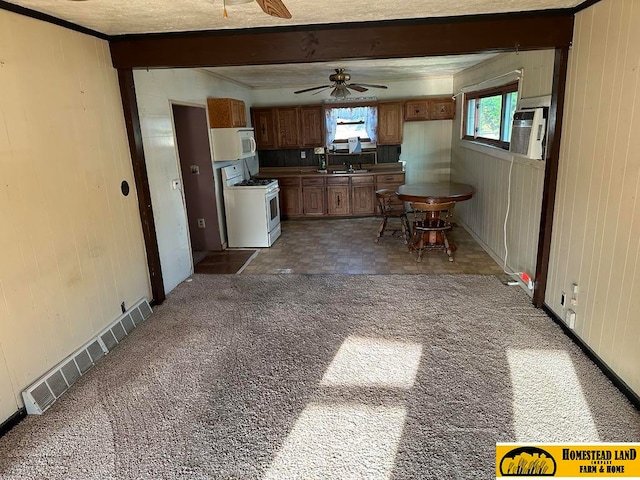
(253,182)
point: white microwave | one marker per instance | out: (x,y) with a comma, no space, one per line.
(232,143)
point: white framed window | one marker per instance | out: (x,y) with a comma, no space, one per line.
(343,123)
(488,115)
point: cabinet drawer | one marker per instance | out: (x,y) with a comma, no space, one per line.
(397,178)
(362,180)
(307,182)
(338,181)
(289,181)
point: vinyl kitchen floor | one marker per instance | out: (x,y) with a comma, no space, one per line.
(347,246)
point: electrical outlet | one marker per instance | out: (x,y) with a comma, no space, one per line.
(175,184)
(527,280)
(303,154)
(571,319)
(201,223)
(574,288)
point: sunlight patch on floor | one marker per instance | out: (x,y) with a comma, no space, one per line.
(340,441)
(374,362)
(548,402)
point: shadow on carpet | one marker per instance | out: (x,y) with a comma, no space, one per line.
(274,377)
(225,262)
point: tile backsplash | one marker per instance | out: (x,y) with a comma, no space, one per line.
(293,158)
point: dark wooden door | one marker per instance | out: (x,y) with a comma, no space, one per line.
(192,135)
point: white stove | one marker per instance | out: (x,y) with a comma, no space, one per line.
(252,209)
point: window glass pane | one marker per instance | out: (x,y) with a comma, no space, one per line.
(471,116)
(344,132)
(346,122)
(510,101)
(489,117)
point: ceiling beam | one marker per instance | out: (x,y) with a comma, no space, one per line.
(320,43)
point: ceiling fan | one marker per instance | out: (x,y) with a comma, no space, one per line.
(341,86)
(275,8)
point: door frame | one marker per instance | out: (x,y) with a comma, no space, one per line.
(374,40)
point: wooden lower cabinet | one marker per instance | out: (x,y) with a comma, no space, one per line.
(390,181)
(363,195)
(290,196)
(338,200)
(314,199)
(316,196)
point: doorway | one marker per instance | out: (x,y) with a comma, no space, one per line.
(194,154)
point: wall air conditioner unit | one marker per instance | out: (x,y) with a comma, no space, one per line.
(528,133)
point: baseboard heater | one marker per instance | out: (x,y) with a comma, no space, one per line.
(40,395)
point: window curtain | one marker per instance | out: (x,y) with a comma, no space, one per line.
(331,122)
(369,114)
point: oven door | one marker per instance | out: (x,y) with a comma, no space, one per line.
(273,210)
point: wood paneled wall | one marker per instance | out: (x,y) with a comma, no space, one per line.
(596,232)
(71,246)
(487,169)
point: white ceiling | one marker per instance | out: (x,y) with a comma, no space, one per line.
(114,17)
(365,71)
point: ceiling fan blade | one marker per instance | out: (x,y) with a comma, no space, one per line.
(313,88)
(368,85)
(357,88)
(320,91)
(274,8)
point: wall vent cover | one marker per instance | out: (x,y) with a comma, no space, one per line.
(41,394)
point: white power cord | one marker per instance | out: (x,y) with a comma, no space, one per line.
(521,275)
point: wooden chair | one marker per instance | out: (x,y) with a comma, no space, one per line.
(391,207)
(430,223)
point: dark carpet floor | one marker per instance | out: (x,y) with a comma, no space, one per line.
(324,377)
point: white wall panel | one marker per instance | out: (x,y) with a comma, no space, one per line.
(487,169)
(596,233)
(71,245)
(155,90)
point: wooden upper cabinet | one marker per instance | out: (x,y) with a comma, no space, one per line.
(415,110)
(287,121)
(441,108)
(389,123)
(312,126)
(264,125)
(226,113)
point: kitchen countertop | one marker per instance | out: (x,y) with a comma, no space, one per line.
(379,169)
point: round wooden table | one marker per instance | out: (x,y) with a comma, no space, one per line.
(434,193)
(442,192)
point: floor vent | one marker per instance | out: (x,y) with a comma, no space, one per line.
(39,396)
